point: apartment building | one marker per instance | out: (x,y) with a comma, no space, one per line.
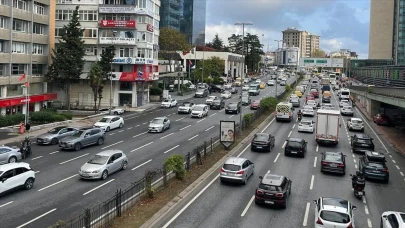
(132,27)
(305,41)
(26,38)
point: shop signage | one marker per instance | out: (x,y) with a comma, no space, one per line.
(117,24)
(125,9)
(23,100)
(143,61)
(135,76)
(129,60)
(149,27)
(117,40)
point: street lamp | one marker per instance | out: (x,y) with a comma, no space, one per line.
(243,65)
(111,74)
(277,59)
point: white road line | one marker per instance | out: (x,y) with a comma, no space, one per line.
(366,209)
(268,171)
(129,128)
(112,134)
(317,148)
(6,204)
(35,219)
(209,128)
(393,161)
(390,156)
(370,225)
(180,119)
(37,172)
(54,152)
(98,187)
(214,114)
(397,166)
(355,166)
(293,126)
(174,113)
(185,127)
(296,120)
(201,120)
(247,206)
(289,134)
(144,123)
(141,147)
(167,135)
(353,156)
(112,145)
(58,182)
(284,144)
(316,158)
(120,130)
(73,159)
(402,174)
(364,200)
(137,125)
(167,151)
(312,182)
(36,158)
(354,161)
(278,155)
(169,115)
(306,214)
(195,136)
(142,164)
(139,134)
(231,116)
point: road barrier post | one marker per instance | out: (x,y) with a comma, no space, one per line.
(165,176)
(87,219)
(118,202)
(205,149)
(198,157)
(188,161)
(211,146)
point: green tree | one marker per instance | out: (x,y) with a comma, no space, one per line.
(318,53)
(170,42)
(97,82)
(217,43)
(67,59)
(235,43)
(214,67)
(253,49)
(106,58)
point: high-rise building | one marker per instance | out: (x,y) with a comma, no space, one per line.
(26,38)
(305,41)
(132,27)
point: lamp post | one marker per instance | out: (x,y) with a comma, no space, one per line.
(111,75)
(243,65)
(263,54)
(277,59)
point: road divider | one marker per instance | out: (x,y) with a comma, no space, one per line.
(51,185)
(74,159)
(92,190)
(141,147)
(142,164)
(167,151)
(112,145)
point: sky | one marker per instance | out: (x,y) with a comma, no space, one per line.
(342,24)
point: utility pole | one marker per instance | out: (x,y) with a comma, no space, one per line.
(277,57)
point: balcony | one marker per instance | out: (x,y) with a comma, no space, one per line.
(117,40)
(117,24)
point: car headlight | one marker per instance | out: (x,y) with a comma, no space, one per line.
(96,171)
(70,143)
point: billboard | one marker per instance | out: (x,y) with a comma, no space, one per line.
(117,40)
(227,132)
(117,24)
(321,62)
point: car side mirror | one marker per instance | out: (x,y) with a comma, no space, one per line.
(315,202)
(85,136)
(354,208)
(260,177)
(384,216)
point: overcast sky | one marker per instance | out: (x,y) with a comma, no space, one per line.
(340,23)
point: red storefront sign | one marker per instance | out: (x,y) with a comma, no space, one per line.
(149,27)
(23,99)
(134,76)
(117,24)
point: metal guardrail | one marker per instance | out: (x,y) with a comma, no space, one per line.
(385,91)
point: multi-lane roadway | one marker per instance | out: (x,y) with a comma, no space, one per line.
(59,193)
(232,205)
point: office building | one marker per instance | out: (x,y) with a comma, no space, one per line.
(305,41)
(26,38)
(132,27)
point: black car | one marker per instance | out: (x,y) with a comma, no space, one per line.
(217,104)
(233,107)
(326,99)
(295,146)
(273,190)
(373,166)
(333,162)
(216,89)
(361,143)
(262,141)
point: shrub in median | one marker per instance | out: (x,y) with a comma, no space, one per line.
(67,115)
(288,88)
(247,119)
(268,103)
(175,163)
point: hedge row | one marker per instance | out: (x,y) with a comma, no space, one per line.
(41,117)
(11,120)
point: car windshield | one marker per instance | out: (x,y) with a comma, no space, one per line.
(186,104)
(98,160)
(306,123)
(245,98)
(294,144)
(55,130)
(216,101)
(344,101)
(166,100)
(197,108)
(376,165)
(78,133)
(200,91)
(357,121)
(402,216)
(333,216)
(270,187)
(231,167)
(314,90)
(211,97)
(333,157)
(105,120)
(232,105)
(364,141)
(294,100)
(261,137)
(345,93)
(226,92)
(311,102)
(308,109)
(347,107)
(157,121)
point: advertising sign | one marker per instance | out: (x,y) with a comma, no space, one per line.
(227,132)
(149,27)
(125,9)
(117,24)
(117,40)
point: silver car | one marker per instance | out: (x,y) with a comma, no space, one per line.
(9,155)
(159,124)
(54,135)
(237,170)
(347,110)
(103,164)
(83,137)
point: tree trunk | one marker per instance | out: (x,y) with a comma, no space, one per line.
(99,101)
(68,95)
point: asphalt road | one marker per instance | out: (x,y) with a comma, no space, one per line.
(59,193)
(232,205)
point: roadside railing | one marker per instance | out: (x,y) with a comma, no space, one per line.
(386,91)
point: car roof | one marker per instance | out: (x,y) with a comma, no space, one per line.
(362,136)
(110,116)
(273,179)
(357,119)
(109,152)
(262,134)
(347,106)
(9,166)
(294,139)
(333,153)
(235,161)
(160,117)
(200,105)
(335,204)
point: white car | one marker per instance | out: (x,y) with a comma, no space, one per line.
(16,175)
(245,87)
(186,107)
(159,124)
(108,123)
(344,103)
(168,103)
(306,126)
(355,124)
(346,110)
(283,82)
(227,86)
(226,94)
(390,219)
(258,81)
(308,111)
(270,82)
(199,111)
(115,111)
(210,99)
(334,213)
(294,96)
(312,103)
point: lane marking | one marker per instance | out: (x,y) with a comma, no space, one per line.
(289,134)
(167,151)
(354,161)
(317,148)
(185,127)
(402,174)
(214,114)
(54,152)
(73,159)
(293,126)
(137,125)
(120,130)
(193,137)
(373,131)
(316,158)
(112,145)
(370,225)
(180,119)
(278,155)
(353,156)
(141,147)
(355,166)
(167,135)
(210,128)
(247,206)
(144,114)
(201,120)
(397,166)
(306,214)
(94,189)
(268,171)
(364,200)
(142,164)
(366,209)
(144,123)
(390,155)
(35,219)
(3,205)
(393,161)
(312,182)
(169,115)
(139,134)
(231,116)
(51,185)
(129,128)
(112,134)
(284,144)
(36,158)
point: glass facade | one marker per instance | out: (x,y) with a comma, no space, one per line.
(393,73)
(354,63)
(399,32)
(171,14)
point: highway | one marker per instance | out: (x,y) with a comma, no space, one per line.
(59,193)
(232,205)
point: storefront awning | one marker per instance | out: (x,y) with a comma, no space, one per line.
(22,100)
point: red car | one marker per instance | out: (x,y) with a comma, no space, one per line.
(381,119)
(309,97)
(255,104)
(315,93)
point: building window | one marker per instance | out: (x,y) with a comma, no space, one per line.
(63,15)
(122,34)
(142,4)
(126,52)
(64,2)
(19,48)
(3,23)
(91,50)
(141,52)
(1,45)
(38,29)
(90,33)
(20,4)
(37,69)
(59,32)
(37,49)
(88,15)
(126,86)
(2,71)
(18,69)
(14,90)
(144,19)
(4,2)
(39,8)
(19,26)
(157,8)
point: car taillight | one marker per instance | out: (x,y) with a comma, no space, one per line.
(341,165)
(241,172)
(325,163)
(276,113)
(350,225)
(386,170)
(280,195)
(259,192)
(319,222)
(222,170)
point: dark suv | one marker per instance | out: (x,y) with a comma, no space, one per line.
(373,166)
(273,190)
(217,104)
(233,107)
(295,146)
(361,143)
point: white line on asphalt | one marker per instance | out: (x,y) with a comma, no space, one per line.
(129,128)
(312,182)
(353,156)
(141,147)
(284,144)
(137,125)
(369,223)
(296,120)
(316,158)
(174,113)
(293,126)
(231,116)
(214,114)
(195,136)
(139,134)
(142,164)
(268,171)
(6,204)
(167,135)
(355,166)
(354,161)
(120,130)
(366,209)
(180,119)
(58,182)
(289,134)
(278,155)
(35,219)
(169,115)
(390,156)
(36,158)
(267,125)
(98,187)
(209,128)
(317,148)
(37,171)
(167,151)
(144,123)
(54,152)
(185,127)
(247,206)
(364,200)
(397,166)
(73,159)
(201,120)
(112,145)
(402,174)
(112,134)
(306,214)
(393,161)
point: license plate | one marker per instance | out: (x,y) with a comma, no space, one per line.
(269,202)
(293,152)
(231,174)
(85,175)
(333,165)
(376,171)
(258,147)
(360,193)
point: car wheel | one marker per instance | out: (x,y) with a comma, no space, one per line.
(381,224)
(77,146)
(245,180)
(168,127)
(170,105)
(108,129)
(121,125)
(285,203)
(54,141)
(124,165)
(29,183)
(104,175)
(100,141)
(115,113)
(189,111)
(12,159)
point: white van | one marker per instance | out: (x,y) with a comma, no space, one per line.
(300,88)
(284,111)
(344,94)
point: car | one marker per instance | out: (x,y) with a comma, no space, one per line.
(9,155)
(245,87)
(255,104)
(227,86)
(210,99)
(361,143)
(168,103)
(346,111)
(246,100)
(334,212)
(108,123)
(333,162)
(355,124)
(295,102)
(309,97)
(298,93)
(201,92)
(14,176)
(373,166)
(83,137)
(159,124)
(344,103)
(381,119)
(270,82)
(115,111)
(258,80)
(236,170)
(294,96)
(390,219)
(226,95)
(295,146)
(233,90)
(283,82)
(262,85)
(217,104)
(262,141)
(103,164)
(327,106)
(308,111)
(55,134)
(199,111)
(274,190)
(233,107)
(312,103)
(215,89)
(315,93)
(306,126)
(186,107)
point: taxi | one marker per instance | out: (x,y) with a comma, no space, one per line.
(262,85)
(298,93)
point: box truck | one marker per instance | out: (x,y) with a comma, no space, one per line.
(327,126)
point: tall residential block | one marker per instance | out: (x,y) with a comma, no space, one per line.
(305,41)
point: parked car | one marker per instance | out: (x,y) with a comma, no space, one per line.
(273,190)
(115,111)
(334,212)
(233,107)
(108,123)
(355,124)
(381,119)
(226,95)
(186,107)
(9,155)
(103,164)
(236,170)
(361,143)
(83,137)
(159,124)
(199,111)
(295,146)
(54,135)
(14,176)
(168,103)
(255,104)
(333,162)
(262,141)
(217,104)
(373,166)
(306,126)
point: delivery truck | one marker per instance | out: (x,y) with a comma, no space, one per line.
(327,127)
